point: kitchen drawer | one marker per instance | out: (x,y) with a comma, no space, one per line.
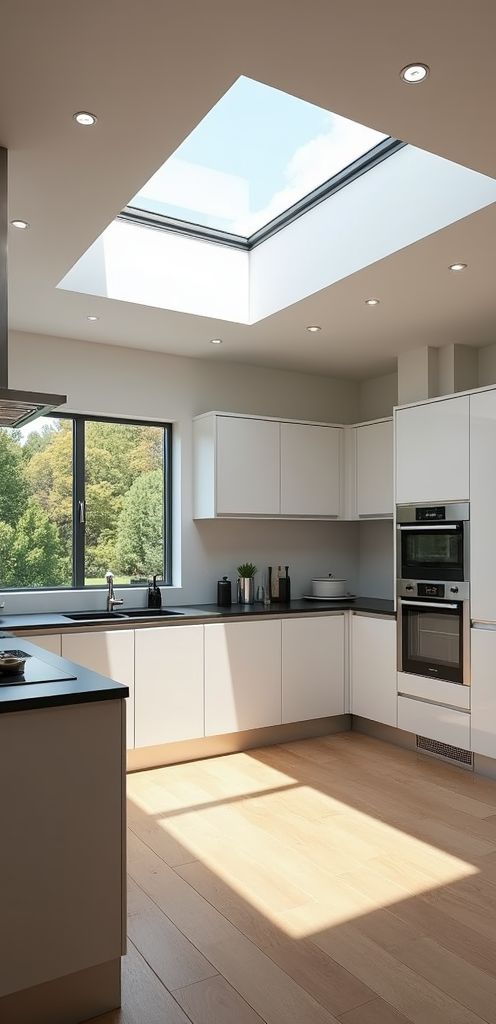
(435,722)
(438,690)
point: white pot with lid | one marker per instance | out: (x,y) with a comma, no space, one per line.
(329,586)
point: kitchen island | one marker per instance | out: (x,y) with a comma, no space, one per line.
(62,853)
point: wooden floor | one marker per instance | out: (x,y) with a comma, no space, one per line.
(328,879)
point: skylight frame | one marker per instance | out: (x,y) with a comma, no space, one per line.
(382,151)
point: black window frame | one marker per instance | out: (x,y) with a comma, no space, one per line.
(78,496)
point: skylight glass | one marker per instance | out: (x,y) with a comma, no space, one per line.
(253,156)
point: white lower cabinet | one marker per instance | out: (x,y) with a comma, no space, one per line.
(435,722)
(111,653)
(373,668)
(312,667)
(49,642)
(242,676)
(168,684)
(483,688)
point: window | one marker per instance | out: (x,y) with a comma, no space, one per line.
(256,154)
(81,495)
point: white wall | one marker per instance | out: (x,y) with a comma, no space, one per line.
(378,397)
(106,380)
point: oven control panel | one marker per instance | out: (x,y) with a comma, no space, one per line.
(435,590)
(431,590)
(432,514)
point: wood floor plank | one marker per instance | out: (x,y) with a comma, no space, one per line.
(273,994)
(172,957)
(375,1012)
(216,1002)
(470,986)
(332,986)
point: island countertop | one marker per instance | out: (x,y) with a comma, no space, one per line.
(87,686)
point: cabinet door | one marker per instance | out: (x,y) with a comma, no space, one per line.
(242,676)
(168,684)
(375,469)
(310,470)
(312,668)
(373,669)
(483,691)
(111,653)
(435,722)
(51,642)
(432,452)
(483,505)
(248,470)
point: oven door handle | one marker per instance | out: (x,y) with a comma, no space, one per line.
(429,526)
(431,604)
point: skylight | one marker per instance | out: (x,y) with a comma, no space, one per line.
(256,154)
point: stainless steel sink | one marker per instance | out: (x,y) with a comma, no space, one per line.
(150,613)
(94,616)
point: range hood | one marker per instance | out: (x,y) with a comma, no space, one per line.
(16,407)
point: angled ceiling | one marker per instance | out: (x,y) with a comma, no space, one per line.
(150,70)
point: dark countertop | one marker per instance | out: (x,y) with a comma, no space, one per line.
(88,686)
(197,613)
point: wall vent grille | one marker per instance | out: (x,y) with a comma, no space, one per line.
(455,755)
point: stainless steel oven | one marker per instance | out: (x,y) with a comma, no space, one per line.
(433,542)
(434,630)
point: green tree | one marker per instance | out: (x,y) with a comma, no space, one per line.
(49,475)
(140,542)
(7,562)
(14,488)
(36,550)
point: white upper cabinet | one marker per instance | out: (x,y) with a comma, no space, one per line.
(248,456)
(242,676)
(312,667)
(432,452)
(374,470)
(373,668)
(310,470)
(111,653)
(483,505)
(168,684)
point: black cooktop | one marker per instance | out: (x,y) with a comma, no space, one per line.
(35,671)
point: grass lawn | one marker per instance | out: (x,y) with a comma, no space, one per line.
(96,581)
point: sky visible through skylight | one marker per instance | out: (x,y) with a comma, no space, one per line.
(253,156)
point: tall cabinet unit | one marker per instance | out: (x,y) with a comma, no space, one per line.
(432,452)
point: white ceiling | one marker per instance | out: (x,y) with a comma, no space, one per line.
(151,69)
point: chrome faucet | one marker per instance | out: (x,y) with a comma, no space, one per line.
(111,599)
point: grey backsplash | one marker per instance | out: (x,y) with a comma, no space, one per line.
(309,548)
(376,559)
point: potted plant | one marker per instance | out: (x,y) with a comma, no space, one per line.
(246,582)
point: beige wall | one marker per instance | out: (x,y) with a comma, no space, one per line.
(115,381)
(378,396)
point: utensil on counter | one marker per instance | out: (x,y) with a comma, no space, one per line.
(12,662)
(224,593)
(328,586)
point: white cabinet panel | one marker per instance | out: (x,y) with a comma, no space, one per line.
(310,470)
(483,505)
(51,642)
(373,669)
(242,676)
(483,659)
(168,684)
(435,722)
(437,690)
(111,653)
(375,469)
(247,458)
(432,452)
(312,668)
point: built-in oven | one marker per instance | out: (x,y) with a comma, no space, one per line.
(433,542)
(434,630)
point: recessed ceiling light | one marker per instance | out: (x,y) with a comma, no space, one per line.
(313,328)
(216,341)
(21,224)
(85,118)
(414,73)
(372,302)
(92,318)
(458,266)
